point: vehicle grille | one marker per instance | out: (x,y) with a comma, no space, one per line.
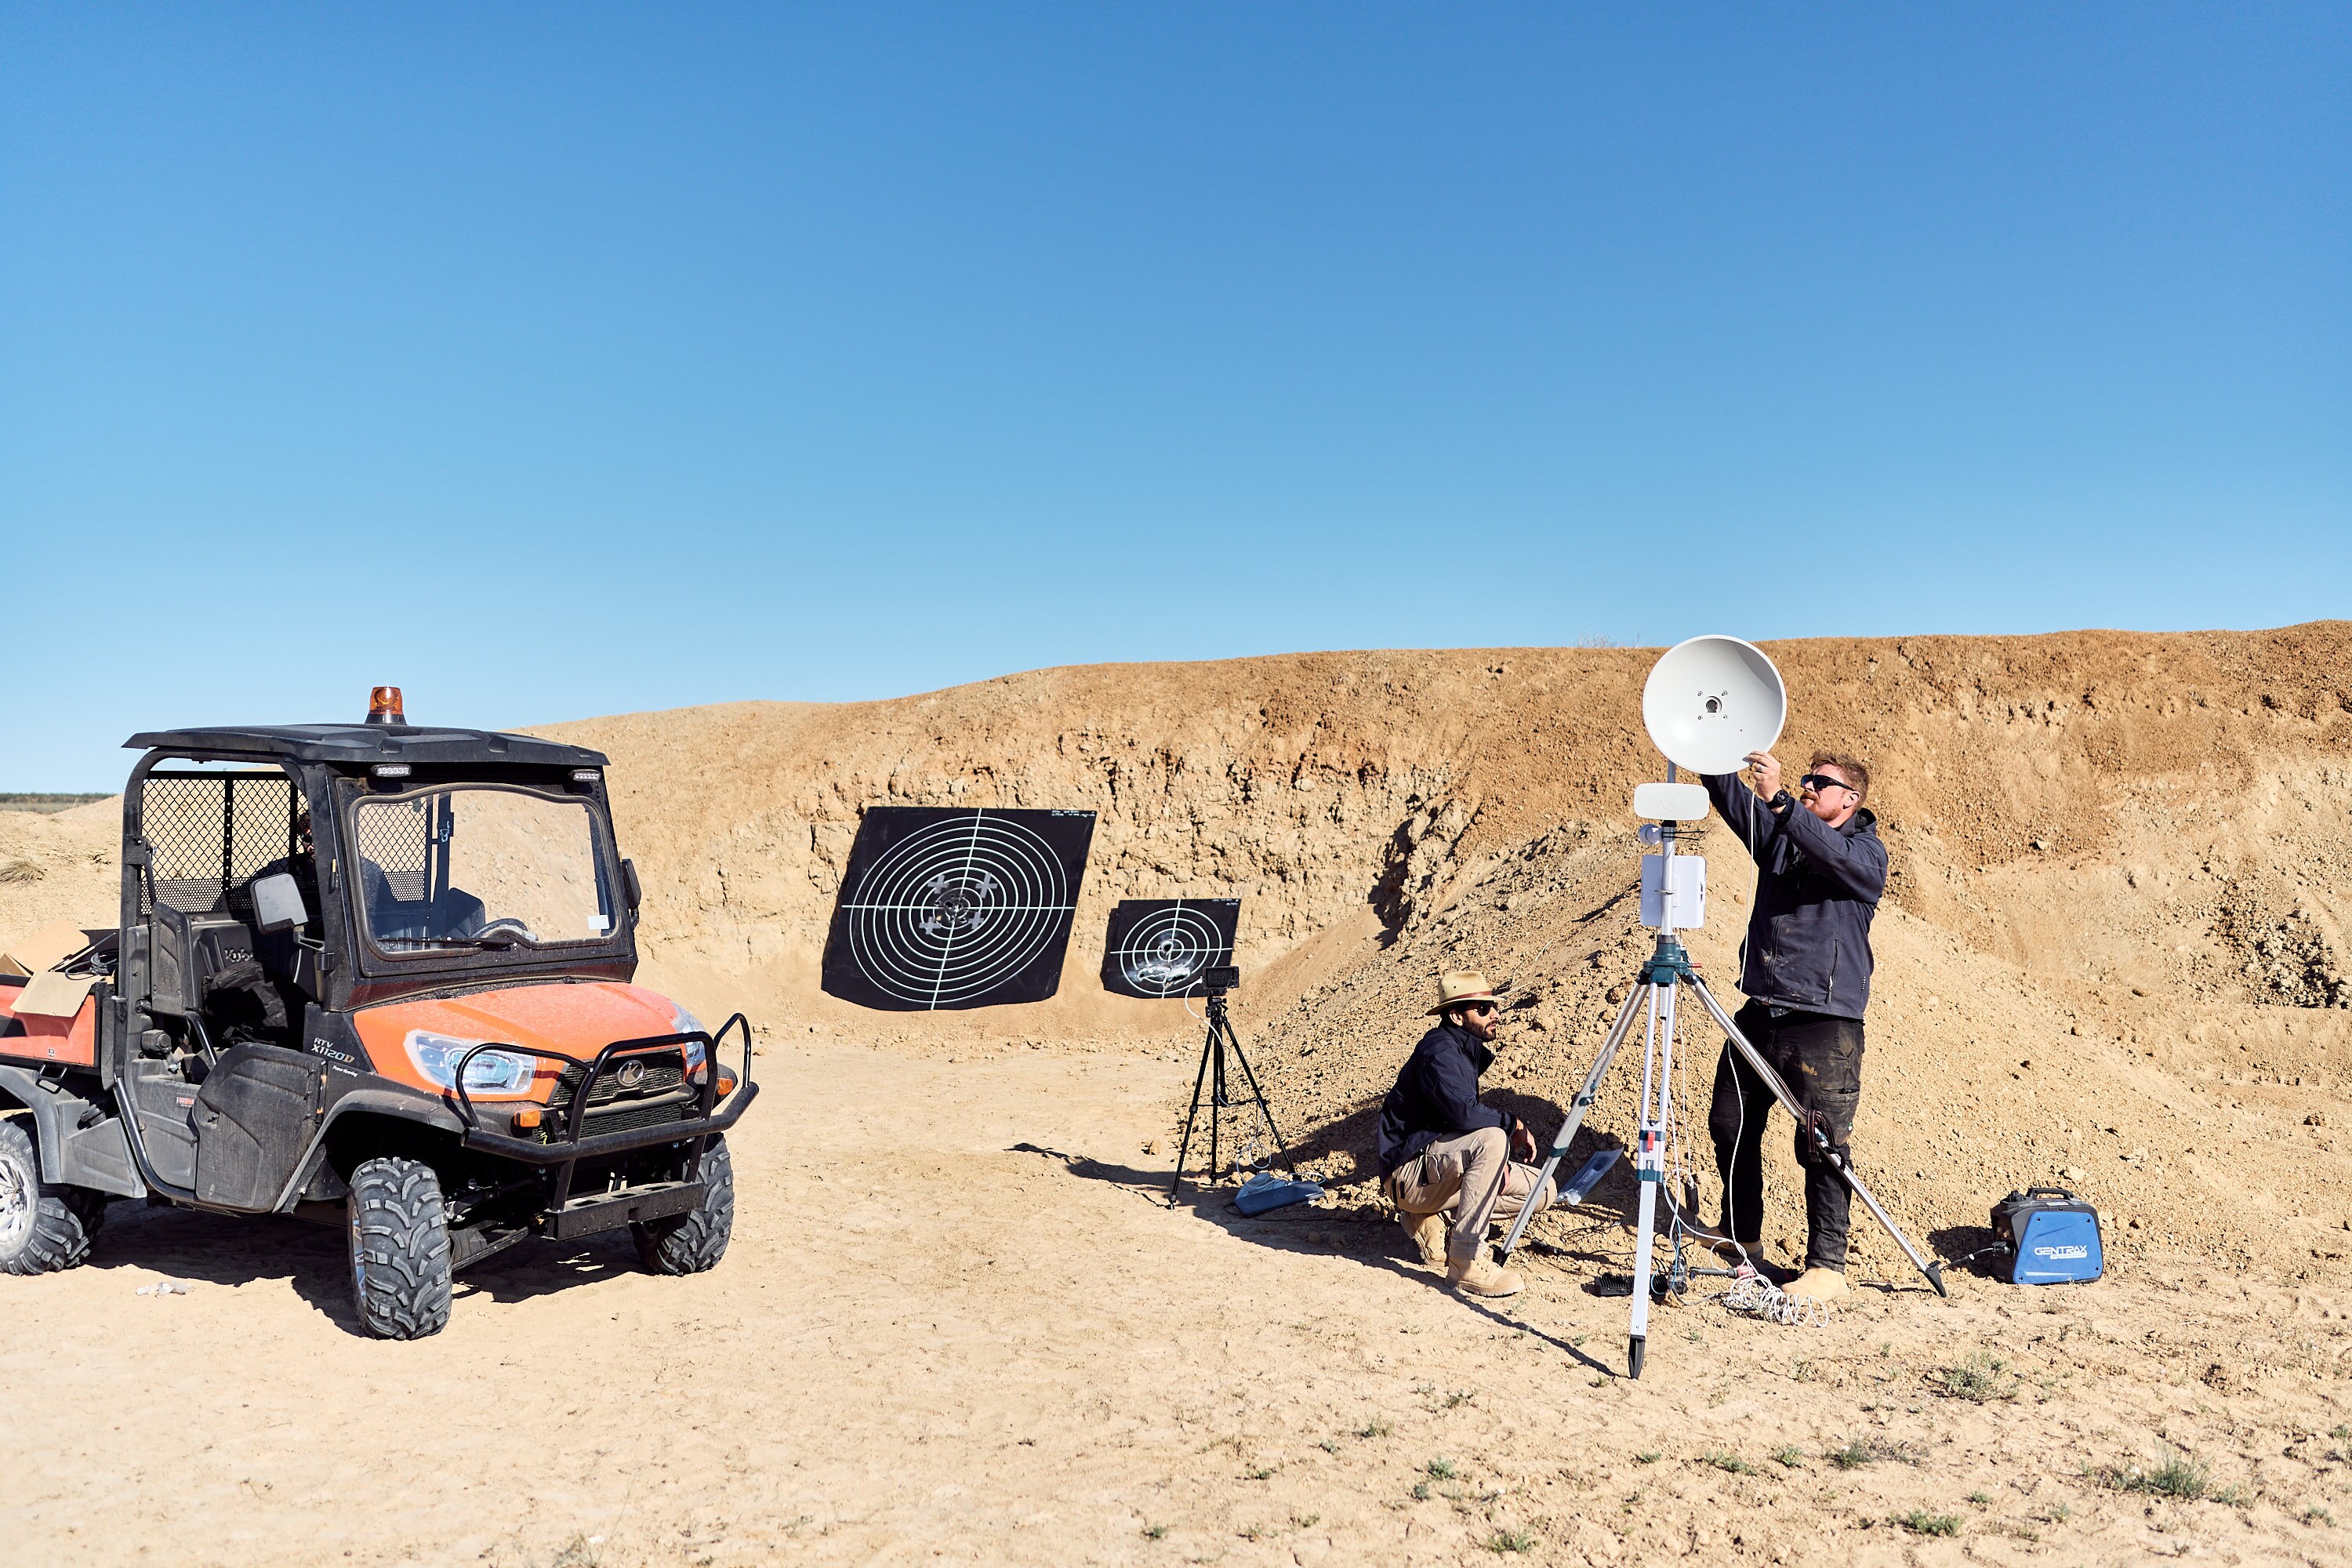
(659,1095)
(665,1071)
(628,1117)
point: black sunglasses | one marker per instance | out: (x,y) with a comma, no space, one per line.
(1824,780)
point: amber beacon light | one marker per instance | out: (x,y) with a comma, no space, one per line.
(384,706)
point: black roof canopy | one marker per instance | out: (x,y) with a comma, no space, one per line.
(360,744)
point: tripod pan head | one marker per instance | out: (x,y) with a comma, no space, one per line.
(1711,700)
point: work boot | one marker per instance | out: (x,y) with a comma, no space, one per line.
(1428,1232)
(1479,1277)
(1815,1284)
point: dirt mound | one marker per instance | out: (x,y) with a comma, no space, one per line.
(2114,941)
(2131,781)
(2113,953)
(58,866)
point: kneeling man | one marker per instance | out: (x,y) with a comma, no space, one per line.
(1444,1157)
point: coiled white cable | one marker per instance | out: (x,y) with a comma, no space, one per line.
(1753,1296)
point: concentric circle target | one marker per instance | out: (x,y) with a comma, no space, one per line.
(956,909)
(1164,953)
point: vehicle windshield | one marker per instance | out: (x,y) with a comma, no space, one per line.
(479,866)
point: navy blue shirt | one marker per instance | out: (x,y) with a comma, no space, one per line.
(1817,887)
(1436,1096)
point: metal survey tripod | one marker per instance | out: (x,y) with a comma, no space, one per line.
(1216,983)
(1659,981)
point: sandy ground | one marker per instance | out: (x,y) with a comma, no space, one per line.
(959,1323)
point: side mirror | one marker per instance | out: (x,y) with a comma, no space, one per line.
(630,885)
(277,902)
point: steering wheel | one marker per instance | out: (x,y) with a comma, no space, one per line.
(508,923)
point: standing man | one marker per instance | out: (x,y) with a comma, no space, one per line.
(1805,966)
(1440,1150)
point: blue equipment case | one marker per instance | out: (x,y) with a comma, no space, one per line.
(2052,1237)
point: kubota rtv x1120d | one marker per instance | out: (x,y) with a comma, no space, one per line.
(377,975)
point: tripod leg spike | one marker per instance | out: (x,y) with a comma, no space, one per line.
(1637,1349)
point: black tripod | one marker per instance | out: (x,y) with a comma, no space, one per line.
(1212,1073)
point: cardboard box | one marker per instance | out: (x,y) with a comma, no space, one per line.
(48,947)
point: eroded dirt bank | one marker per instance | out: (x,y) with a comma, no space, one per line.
(2114,944)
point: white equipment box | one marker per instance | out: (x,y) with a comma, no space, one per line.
(1670,802)
(1683,906)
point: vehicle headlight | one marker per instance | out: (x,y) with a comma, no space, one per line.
(494,1072)
(682,1022)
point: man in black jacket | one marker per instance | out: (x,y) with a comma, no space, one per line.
(1440,1150)
(1805,967)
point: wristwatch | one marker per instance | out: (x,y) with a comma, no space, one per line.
(1780,803)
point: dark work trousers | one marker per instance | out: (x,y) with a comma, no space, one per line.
(1820,1058)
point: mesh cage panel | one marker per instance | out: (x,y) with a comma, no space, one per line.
(209,834)
(396,835)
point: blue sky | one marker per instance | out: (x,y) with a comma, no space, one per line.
(555,360)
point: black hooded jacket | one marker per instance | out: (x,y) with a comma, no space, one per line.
(1436,1096)
(1817,887)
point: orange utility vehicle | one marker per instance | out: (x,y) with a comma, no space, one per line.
(371,974)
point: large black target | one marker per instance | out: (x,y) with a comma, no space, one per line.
(956,907)
(1157,947)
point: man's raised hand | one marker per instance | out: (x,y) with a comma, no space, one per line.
(1766,769)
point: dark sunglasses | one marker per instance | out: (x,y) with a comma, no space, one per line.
(1478,1006)
(1823,781)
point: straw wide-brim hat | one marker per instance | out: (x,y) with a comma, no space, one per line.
(1456,987)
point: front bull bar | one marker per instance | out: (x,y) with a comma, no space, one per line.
(571,1148)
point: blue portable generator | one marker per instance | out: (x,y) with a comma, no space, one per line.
(2052,1236)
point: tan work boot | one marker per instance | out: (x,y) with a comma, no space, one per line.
(1815,1285)
(1428,1232)
(1481,1277)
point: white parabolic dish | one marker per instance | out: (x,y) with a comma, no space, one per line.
(1710,702)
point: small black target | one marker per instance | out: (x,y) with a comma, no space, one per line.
(946,908)
(1157,947)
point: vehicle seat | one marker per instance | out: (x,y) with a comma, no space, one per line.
(391,917)
(190,951)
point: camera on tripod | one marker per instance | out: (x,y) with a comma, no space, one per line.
(1210,1087)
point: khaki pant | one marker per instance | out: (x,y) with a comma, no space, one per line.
(1475,1176)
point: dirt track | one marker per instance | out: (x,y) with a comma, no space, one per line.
(960,1325)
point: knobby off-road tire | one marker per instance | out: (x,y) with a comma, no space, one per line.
(696,1240)
(400,1250)
(44,1225)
